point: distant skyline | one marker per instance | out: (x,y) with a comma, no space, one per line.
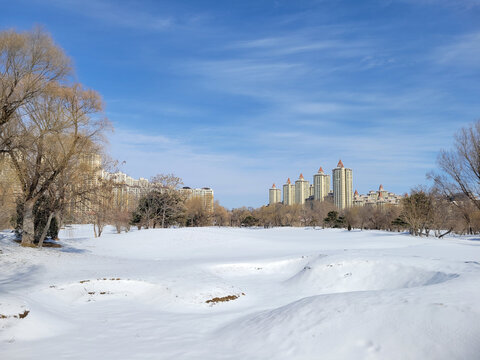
(237,95)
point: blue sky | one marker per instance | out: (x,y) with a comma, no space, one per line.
(237,95)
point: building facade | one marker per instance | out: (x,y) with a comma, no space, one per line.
(342,195)
(321,185)
(378,198)
(302,190)
(274,195)
(288,193)
(342,186)
(205,194)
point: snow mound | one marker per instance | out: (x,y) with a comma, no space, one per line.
(283,267)
(353,326)
(335,275)
(12,308)
(174,297)
(105,289)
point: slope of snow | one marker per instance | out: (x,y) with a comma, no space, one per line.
(287,294)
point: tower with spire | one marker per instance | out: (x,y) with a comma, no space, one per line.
(321,185)
(274,195)
(288,193)
(302,190)
(342,186)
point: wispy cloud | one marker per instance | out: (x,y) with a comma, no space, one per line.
(463,50)
(117,14)
(455,4)
(301,43)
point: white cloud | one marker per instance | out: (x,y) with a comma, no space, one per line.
(115,13)
(462,51)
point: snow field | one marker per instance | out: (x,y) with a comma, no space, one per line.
(300,294)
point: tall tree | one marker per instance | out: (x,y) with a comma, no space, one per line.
(59,123)
(29,63)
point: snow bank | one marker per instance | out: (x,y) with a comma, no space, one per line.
(222,293)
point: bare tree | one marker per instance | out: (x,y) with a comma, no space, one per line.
(168,182)
(418,212)
(29,63)
(42,143)
(8,192)
(461,166)
(196,214)
(221,216)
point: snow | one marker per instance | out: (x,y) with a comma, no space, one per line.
(299,294)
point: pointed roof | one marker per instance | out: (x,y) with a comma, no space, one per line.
(320,171)
(288,181)
(273,186)
(301,176)
(380,188)
(340,164)
(356,193)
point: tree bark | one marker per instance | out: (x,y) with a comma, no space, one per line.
(45,230)
(59,222)
(28,227)
(448,232)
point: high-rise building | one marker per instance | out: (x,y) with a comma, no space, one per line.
(288,193)
(302,190)
(321,185)
(342,186)
(274,195)
(205,194)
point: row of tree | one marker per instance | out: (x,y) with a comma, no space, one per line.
(50,124)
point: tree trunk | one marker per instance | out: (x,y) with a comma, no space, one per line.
(28,226)
(163,219)
(45,231)
(59,222)
(448,232)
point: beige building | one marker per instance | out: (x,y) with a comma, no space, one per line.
(274,195)
(126,190)
(206,194)
(288,193)
(342,186)
(321,185)
(302,190)
(376,198)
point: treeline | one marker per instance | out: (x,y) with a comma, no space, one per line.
(450,205)
(422,213)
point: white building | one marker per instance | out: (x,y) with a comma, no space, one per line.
(321,185)
(205,194)
(376,198)
(288,193)
(274,195)
(302,190)
(342,186)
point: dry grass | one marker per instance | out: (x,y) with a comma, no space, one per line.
(216,300)
(18,316)
(46,244)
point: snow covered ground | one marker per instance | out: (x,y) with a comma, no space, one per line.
(296,294)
